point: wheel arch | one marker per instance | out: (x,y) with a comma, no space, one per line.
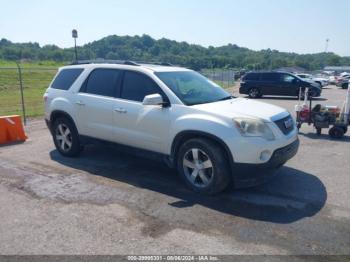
(60,113)
(183,136)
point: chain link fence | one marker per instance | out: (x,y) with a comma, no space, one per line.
(28,83)
(224,78)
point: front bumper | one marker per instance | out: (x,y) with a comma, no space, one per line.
(248,175)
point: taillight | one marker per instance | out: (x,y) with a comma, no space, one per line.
(45,97)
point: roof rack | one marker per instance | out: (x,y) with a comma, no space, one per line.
(104,61)
(155,63)
(119,62)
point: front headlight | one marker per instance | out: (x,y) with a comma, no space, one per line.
(252,127)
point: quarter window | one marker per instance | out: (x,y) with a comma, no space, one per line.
(103,82)
(136,86)
(65,78)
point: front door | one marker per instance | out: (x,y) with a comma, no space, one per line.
(137,125)
(289,85)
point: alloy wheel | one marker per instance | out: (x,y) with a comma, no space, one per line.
(64,137)
(198,167)
(254,93)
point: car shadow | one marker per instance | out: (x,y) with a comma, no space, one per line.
(288,98)
(324,136)
(12,144)
(290,196)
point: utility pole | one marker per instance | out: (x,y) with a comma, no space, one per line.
(75,36)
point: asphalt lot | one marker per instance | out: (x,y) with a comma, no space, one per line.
(109,202)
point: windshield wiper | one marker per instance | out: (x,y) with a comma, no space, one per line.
(208,102)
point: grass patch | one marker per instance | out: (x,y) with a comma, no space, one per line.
(36,77)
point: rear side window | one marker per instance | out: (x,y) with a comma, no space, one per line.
(136,86)
(102,82)
(270,77)
(66,78)
(251,77)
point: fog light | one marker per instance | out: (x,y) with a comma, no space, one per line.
(265,155)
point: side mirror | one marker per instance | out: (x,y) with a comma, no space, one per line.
(153,100)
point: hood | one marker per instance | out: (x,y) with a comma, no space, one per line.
(308,83)
(243,107)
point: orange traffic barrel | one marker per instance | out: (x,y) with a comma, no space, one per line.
(11,129)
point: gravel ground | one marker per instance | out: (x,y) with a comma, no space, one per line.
(109,202)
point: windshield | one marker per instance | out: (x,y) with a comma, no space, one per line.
(192,88)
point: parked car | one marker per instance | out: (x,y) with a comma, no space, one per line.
(173,113)
(319,80)
(323,81)
(343,81)
(258,84)
(304,76)
(332,80)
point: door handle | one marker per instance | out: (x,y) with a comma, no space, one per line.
(120,110)
(79,103)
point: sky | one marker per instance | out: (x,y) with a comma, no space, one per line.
(300,26)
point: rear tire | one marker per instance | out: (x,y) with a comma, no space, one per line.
(66,137)
(336,132)
(203,166)
(254,93)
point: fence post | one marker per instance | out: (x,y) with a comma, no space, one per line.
(22,96)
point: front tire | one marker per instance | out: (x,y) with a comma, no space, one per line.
(66,138)
(203,166)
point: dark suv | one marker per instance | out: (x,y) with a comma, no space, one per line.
(257,84)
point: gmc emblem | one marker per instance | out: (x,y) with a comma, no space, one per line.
(288,123)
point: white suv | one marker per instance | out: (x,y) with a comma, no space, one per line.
(211,137)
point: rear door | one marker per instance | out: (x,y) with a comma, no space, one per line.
(270,83)
(137,125)
(94,103)
(248,81)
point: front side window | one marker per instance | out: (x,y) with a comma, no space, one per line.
(192,88)
(287,78)
(136,86)
(65,78)
(103,82)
